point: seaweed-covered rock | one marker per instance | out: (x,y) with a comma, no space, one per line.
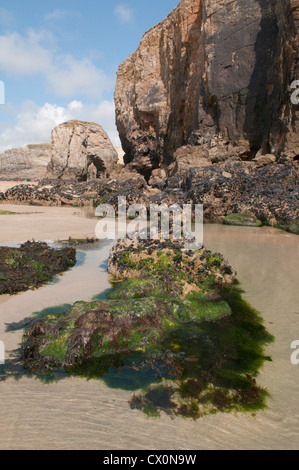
(244,220)
(32,265)
(53,193)
(172,329)
(168,259)
(134,189)
(269,193)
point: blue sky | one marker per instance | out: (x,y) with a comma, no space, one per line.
(58,61)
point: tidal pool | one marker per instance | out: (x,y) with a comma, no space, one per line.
(82,414)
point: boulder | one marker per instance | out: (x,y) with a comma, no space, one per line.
(263,160)
(188,156)
(158,178)
(81,150)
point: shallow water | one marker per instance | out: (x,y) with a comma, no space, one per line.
(88,278)
(80,414)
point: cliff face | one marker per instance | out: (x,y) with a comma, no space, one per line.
(215,74)
(81,150)
(27,162)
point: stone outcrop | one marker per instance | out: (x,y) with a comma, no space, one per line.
(268,192)
(134,189)
(215,74)
(174,330)
(82,151)
(53,193)
(32,265)
(27,162)
(58,192)
(79,150)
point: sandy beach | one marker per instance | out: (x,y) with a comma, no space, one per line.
(45,223)
(75,413)
(186,117)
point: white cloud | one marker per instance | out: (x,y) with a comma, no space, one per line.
(71,76)
(123,13)
(36,54)
(23,56)
(33,124)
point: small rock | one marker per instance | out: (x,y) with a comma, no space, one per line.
(263,160)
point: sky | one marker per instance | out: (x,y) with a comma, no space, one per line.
(58,61)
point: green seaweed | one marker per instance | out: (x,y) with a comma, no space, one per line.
(7,213)
(292,228)
(31,265)
(245,220)
(185,355)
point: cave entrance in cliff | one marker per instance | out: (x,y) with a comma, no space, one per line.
(96,168)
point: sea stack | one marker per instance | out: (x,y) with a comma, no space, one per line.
(81,151)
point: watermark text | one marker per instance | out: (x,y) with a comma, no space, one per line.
(295,354)
(159,222)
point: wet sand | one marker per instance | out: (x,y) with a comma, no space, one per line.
(79,414)
(45,223)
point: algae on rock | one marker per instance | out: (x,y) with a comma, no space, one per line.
(175,331)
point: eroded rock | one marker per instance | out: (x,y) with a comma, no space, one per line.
(179,347)
(270,193)
(27,162)
(213,74)
(81,150)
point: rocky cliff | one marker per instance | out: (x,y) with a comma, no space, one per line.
(215,74)
(27,162)
(81,150)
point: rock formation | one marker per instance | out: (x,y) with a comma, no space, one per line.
(270,193)
(174,330)
(81,150)
(216,75)
(27,162)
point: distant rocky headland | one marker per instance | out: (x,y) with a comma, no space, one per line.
(204,114)
(29,162)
